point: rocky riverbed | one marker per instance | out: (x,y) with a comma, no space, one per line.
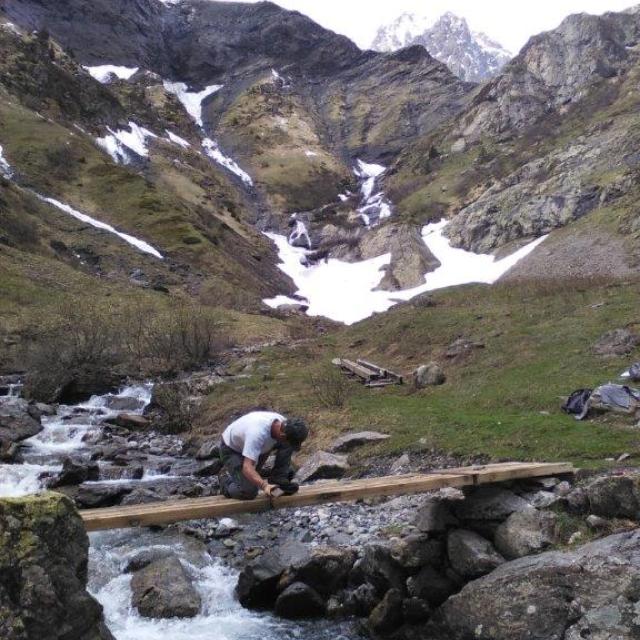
(448,565)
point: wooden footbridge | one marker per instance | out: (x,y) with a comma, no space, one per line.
(159,513)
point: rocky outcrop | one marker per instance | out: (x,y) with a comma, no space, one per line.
(590,592)
(43,572)
(616,343)
(350,441)
(164,589)
(428,375)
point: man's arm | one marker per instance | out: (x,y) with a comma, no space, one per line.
(250,473)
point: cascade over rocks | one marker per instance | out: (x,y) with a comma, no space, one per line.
(43,572)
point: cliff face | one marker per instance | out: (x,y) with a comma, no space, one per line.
(43,572)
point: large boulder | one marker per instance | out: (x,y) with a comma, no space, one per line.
(19,420)
(590,592)
(326,570)
(526,532)
(257,586)
(615,496)
(489,503)
(76,472)
(428,375)
(43,572)
(163,589)
(380,567)
(351,441)
(432,586)
(322,466)
(471,555)
(299,601)
(435,516)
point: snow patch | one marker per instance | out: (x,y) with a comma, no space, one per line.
(191,100)
(119,143)
(83,217)
(344,291)
(5,167)
(104,73)
(373,207)
(181,142)
(212,149)
(299,232)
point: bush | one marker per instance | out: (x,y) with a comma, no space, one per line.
(331,388)
(82,347)
(176,410)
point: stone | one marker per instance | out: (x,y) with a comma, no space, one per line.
(257,586)
(418,550)
(326,570)
(101,495)
(163,589)
(322,466)
(431,586)
(145,557)
(615,496)
(362,600)
(379,567)
(597,523)
(489,503)
(19,420)
(43,572)
(131,421)
(435,516)
(76,472)
(552,595)
(541,499)
(415,611)
(471,555)
(350,441)
(387,616)
(526,532)
(123,403)
(462,347)
(619,342)
(400,465)
(577,501)
(428,375)
(300,601)
(208,450)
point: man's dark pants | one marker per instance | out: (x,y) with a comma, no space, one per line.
(234,484)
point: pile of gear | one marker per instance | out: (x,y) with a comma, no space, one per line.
(607,397)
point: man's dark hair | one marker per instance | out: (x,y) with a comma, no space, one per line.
(296,432)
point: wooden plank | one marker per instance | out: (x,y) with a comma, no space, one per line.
(168,512)
(385,373)
(360,371)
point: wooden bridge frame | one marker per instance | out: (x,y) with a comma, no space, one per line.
(161,513)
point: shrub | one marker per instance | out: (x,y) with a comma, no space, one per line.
(176,410)
(331,388)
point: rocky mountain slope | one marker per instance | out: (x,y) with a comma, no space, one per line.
(548,142)
(471,55)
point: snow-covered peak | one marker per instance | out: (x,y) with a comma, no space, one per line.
(471,55)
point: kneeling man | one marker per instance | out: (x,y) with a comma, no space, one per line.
(245,447)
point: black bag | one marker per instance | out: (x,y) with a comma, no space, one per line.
(576,403)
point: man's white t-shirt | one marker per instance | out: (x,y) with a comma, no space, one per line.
(251,434)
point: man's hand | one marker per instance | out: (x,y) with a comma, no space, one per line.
(268,489)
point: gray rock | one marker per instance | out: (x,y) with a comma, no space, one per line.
(76,472)
(326,570)
(471,555)
(418,550)
(526,532)
(208,450)
(101,495)
(125,404)
(321,466)
(145,557)
(132,421)
(380,567)
(619,342)
(431,585)
(163,589)
(300,601)
(615,496)
(19,420)
(415,611)
(428,375)
(362,600)
(597,523)
(550,595)
(400,465)
(435,516)
(351,441)
(489,503)
(257,586)
(43,572)
(387,616)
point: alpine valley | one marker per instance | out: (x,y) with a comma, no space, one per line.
(202,205)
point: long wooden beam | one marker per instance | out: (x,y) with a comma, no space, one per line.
(159,513)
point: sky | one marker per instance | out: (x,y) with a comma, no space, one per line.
(510,23)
